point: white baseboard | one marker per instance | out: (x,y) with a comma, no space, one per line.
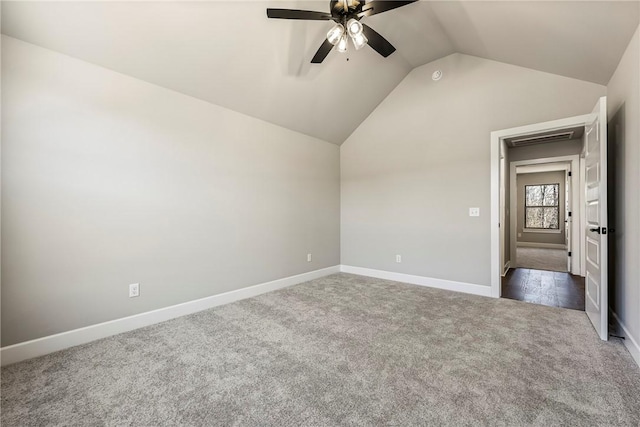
(541,245)
(507,266)
(629,341)
(45,345)
(469,288)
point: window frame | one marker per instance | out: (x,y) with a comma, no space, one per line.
(556,206)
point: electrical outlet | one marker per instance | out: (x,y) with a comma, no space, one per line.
(474,211)
(134,290)
(519,234)
(398,258)
(308,257)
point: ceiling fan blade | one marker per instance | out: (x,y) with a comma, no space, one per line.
(378,6)
(322,52)
(310,15)
(377,42)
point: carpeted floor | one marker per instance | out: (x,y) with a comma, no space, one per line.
(542,258)
(341,350)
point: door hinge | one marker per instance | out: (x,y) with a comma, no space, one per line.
(569,173)
(569,213)
(569,253)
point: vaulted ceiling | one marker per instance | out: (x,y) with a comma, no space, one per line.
(230,54)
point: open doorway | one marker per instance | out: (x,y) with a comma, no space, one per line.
(543,206)
(543,213)
(585,206)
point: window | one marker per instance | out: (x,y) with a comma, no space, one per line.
(541,206)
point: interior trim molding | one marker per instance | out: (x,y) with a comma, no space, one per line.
(496,139)
(629,341)
(507,266)
(541,245)
(52,343)
(468,288)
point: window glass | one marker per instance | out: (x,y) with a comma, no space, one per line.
(542,206)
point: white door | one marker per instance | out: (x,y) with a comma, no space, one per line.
(568,219)
(596,291)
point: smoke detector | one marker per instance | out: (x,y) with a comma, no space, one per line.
(437,75)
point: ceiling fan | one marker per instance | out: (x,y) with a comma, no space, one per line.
(347,15)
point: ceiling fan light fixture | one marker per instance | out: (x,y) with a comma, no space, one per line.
(342,44)
(335,33)
(359,41)
(346,15)
(354,27)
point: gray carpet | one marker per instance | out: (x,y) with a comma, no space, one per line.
(341,350)
(542,258)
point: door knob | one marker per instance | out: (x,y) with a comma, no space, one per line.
(595,230)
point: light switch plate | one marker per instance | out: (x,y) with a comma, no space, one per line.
(474,211)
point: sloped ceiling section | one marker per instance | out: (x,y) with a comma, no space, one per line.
(230,54)
(227,53)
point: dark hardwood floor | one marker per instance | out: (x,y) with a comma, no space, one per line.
(550,288)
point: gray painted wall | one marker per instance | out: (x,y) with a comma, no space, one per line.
(413,169)
(534,179)
(108,180)
(624,145)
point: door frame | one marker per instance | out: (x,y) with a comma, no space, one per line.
(504,170)
(497,139)
(571,164)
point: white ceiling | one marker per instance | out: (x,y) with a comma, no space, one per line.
(230,54)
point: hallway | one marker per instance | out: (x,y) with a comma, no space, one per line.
(542,259)
(551,288)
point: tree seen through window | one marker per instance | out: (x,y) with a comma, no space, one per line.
(542,209)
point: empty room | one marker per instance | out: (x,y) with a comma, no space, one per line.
(320,213)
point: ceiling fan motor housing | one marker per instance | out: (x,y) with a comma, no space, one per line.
(347,14)
(340,15)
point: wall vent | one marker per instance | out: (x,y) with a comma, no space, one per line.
(539,139)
